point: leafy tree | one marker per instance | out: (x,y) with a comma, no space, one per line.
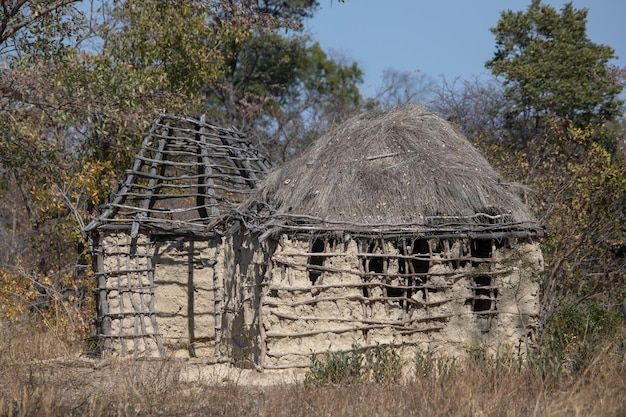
(246,63)
(36,159)
(280,88)
(71,119)
(76,93)
(551,68)
(322,91)
(578,191)
(25,23)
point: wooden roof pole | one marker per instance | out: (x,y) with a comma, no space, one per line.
(205,182)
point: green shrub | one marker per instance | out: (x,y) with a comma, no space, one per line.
(381,363)
(430,366)
(573,336)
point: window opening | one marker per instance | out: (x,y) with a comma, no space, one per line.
(395,292)
(377,263)
(371,264)
(481,248)
(403,268)
(483,294)
(317,246)
(420,265)
(421,250)
(408,267)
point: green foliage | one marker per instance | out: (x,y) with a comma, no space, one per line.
(578,191)
(38,26)
(77,92)
(551,67)
(335,367)
(574,336)
(378,364)
(428,365)
(283,90)
(383,363)
(230,60)
(173,43)
(333,80)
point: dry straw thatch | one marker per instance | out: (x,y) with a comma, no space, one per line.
(404,170)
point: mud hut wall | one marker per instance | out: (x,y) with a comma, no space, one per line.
(128,288)
(363,297)
(306,312)
(300,318)
(185,272)
(245,271)
(514,314)
(148,294)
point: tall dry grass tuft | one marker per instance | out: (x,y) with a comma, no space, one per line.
(42,375)
(491,387)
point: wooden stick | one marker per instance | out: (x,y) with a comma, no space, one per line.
(151,307)
(278,354)
(190,299)
(316,300)
(367,321)
(361,285)
(103,301)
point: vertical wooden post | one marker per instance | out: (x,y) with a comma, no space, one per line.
(218,298)
(103,301)
(262,339)
(190,298)
(121,252)
(153,319)
(132,289)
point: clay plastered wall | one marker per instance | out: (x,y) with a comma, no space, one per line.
(148,295)
(246,271)
(187,274)
(335,313)
(295,326)
(129,294)
(518,297)
(515,286)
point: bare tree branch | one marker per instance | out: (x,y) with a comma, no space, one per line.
(11,13)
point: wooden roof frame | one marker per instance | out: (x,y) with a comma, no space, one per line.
(186,176)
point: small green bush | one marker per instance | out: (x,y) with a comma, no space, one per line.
(430,366)
(383,364)
(378,364)
(573,336)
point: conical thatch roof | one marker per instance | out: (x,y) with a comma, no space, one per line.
(405,170)
(186,175)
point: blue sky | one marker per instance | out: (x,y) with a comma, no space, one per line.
(440,38)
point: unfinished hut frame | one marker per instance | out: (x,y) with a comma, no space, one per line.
(391,229)
(157,242)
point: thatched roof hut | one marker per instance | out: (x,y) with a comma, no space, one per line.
(390,172)
(391,229)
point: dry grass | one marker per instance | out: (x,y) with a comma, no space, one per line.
(44,375)
(404,167)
